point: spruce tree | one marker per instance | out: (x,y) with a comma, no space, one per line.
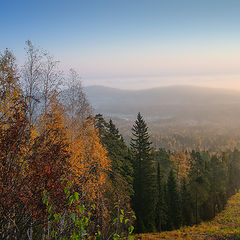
(118,152)
(218,179)
(174,207)
(161,205)
(166,164)
(233,173)
(144,177)
(186,204)
(198,181)
(121,173)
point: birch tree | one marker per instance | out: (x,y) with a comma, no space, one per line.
(31,77)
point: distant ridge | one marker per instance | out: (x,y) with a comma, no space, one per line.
(189,87)
(189,102)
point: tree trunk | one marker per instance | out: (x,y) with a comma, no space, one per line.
(196,208)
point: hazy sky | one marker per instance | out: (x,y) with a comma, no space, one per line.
(132,43)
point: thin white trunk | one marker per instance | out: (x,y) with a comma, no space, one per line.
(62,225)
(44,232)
(15,227)
(30,232)
(8,227)
(48,233)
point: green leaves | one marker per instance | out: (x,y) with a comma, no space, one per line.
(81,208)
(121,218)
(130,229)
(73,198)
(45,198)
(75,223)
(57,217)
(122,223)
(76,196)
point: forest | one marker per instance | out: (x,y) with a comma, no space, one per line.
(66,173)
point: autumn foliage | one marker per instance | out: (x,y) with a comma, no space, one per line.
(14,145)
(45,155)
(65,174)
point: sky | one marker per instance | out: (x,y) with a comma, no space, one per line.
(131,44)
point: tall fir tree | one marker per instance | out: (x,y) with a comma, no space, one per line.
(186,204)
(166,164)
(198,182)
(118,152)
(233,173)
(121,173)
(161,205)
(174,207)
(144,199)
(217,179)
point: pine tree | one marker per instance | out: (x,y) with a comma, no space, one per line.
(218,179)
(161,205)
(144,177)
(233,172)
(198,181)
(174,207)
(121,173)
(186,204)
(166,164)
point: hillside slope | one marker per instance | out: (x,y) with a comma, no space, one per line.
(225,226)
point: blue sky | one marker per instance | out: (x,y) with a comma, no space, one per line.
(132,43)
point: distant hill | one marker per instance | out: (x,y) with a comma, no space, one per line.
(178,117)
(186,103)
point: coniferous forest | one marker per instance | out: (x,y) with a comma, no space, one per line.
(66,173)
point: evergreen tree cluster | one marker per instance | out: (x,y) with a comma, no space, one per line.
(168,189)
(173,189)
(121,172)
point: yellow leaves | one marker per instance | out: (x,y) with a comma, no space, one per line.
(89,161)
(89,165)
(53,123)
(10,92)
(182,164)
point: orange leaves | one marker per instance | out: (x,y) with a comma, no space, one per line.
(47,169)
(48,156)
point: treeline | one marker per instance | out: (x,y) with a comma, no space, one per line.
(66,174)
(199,137)
(176,136)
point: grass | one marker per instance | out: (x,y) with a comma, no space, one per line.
(225,226)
